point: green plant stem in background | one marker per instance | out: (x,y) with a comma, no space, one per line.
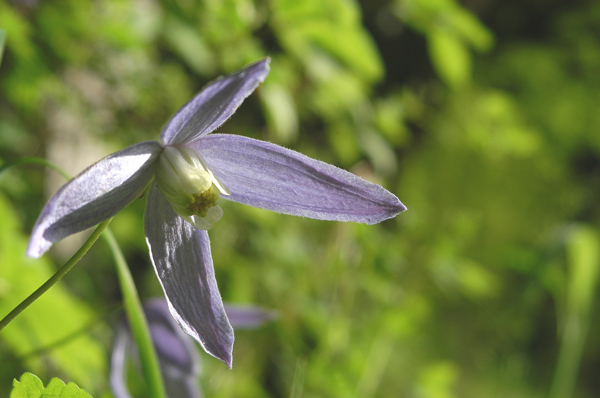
(583,261)
(62,271)
(34,160)
(69,264)
(137,321)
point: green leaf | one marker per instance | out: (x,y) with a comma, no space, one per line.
(450,57)
(281,112)
(451,31)
(188,44)
(30,386)
(333,27)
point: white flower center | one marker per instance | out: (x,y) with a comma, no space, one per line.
(189,186)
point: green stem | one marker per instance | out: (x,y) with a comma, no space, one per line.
(137,321)
(56,277)
(34,160)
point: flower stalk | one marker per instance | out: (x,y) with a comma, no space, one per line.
(137,321)
(62,271)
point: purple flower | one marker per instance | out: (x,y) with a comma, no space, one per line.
(179,362)
(178,359)
(186,172)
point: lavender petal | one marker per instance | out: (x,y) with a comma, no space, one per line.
(98,193)
(271,177)
(183,263)
(214,104)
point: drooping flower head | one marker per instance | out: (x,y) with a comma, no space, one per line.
(186,173)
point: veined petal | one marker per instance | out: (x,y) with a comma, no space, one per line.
(98,193)
(214,104)
(183,263)
(271,177)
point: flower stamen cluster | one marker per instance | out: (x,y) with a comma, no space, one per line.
(189,186)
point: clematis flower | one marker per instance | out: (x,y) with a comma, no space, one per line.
(186,172)
(179,362)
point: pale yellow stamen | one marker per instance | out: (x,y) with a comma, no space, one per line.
(189,186)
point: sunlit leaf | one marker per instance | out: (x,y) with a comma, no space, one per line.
(30,386)
(189,44)
(451,31)
(471,30)
(330,26)
(450,57)
(281,112)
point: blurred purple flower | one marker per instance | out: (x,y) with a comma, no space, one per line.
(187,171)
(179,361)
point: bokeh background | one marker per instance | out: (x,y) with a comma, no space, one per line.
(482,116)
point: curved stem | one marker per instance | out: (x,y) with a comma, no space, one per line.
(56,277)
(34,160)
(137,321)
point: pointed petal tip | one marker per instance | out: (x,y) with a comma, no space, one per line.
(389,213)
(224,355)
(37,245)
(260,69)
(33,253)
(401,207)
(223,352)
(229,362)
(264,63)
(397,208)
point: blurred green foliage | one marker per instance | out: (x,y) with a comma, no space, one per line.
(481,116)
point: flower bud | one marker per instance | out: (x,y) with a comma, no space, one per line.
(189,186)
